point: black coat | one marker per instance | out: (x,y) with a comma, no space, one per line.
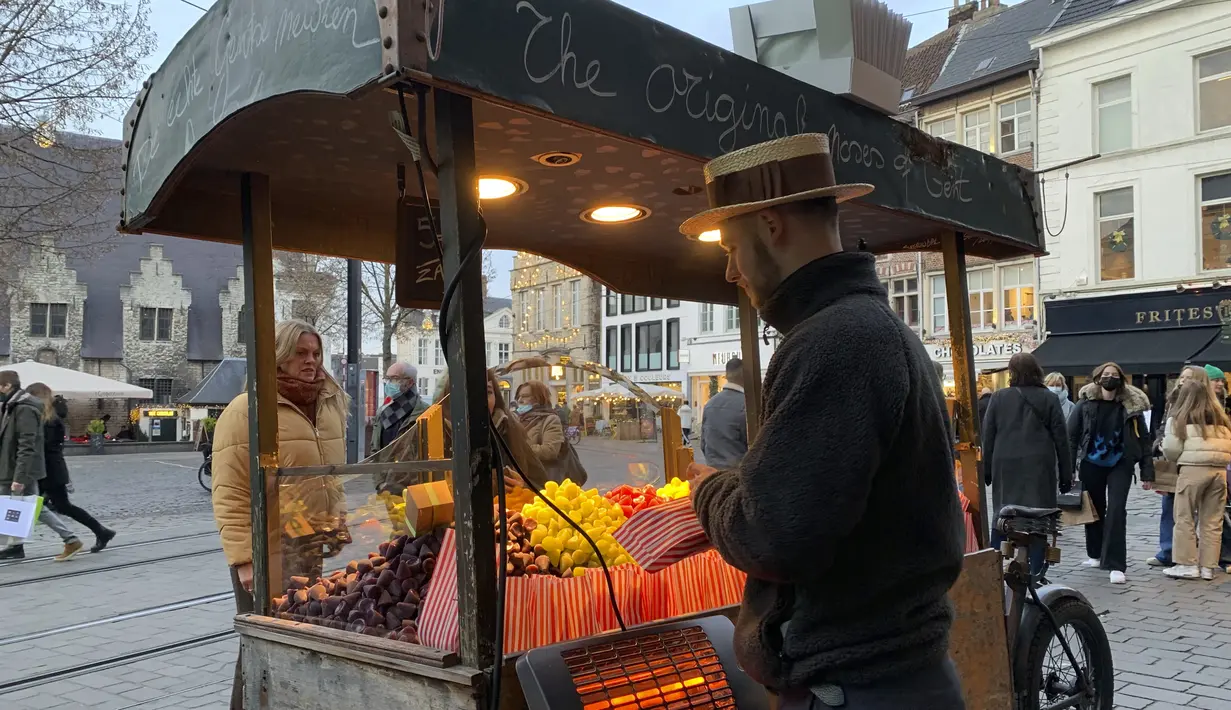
(54,432)
(851,471)
(1138,445)
(1025,448)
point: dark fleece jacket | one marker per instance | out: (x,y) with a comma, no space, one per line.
(844,513)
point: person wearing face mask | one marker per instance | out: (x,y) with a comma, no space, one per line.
(1057,385)
(403,408)
(1166,519)
(545,434)
(1109,435)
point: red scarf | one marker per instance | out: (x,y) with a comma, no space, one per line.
(302,394)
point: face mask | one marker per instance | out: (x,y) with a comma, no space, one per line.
(1111,384)
(392,389)
(523,408)
(1056,390)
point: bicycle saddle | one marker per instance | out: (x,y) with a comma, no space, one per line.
(1021,511)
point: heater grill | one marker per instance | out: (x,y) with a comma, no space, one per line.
(676,666)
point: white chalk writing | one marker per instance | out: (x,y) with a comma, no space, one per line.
(942,186)
(566,63)
(666,84)
(852,151)
(428,270)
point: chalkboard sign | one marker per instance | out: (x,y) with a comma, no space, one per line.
(419,279)
(596,63)
(239,53)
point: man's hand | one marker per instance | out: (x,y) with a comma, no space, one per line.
(17,488)
(698,472)
(244,572)
(512,481)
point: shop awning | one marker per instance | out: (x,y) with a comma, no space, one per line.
(1139,352)
(74,384)
(1218,353)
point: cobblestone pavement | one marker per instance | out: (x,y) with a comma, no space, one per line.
(1171,640)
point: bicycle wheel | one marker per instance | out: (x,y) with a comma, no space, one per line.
(203,476)
(1045,676)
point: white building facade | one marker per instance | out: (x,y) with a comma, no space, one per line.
(419,344)
(643,338)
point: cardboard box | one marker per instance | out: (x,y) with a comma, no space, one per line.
(428,506)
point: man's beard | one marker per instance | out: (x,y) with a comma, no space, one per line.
(767,276)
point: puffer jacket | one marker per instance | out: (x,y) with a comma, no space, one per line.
(1209,447)
(1134,404)
(320,499)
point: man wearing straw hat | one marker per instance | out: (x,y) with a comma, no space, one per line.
(844,512)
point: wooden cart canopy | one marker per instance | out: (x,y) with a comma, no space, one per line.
(299,90)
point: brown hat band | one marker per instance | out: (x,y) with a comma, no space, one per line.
(771,180)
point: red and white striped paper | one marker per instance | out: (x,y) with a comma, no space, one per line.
(659,537)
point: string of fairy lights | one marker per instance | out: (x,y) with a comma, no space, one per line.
(530,278)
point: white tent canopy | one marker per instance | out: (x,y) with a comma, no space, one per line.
(73,384)
(615,390)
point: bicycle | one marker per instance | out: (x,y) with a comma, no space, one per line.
(1042,615)
(573,434)
(206,472)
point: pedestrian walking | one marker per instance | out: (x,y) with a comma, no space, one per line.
(1025,446)
(1218,379)
(1198,440)
(724,426)
(1166,518)
(311,411)
(1108,434)
(23,461)
(685,414)
(545,434)
(1057,385)
(54,486)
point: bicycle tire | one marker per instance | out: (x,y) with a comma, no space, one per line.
(205,476)
(1028,667)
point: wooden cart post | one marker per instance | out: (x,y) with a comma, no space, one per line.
(750,352)
(953,245)
(462,231)
(257,228)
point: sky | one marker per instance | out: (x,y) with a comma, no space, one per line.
(707,19)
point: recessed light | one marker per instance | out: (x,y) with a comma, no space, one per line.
(615,214)
(557,159)
(496,188)
(710,235)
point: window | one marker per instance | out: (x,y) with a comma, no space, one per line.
(650,346)
(904,297)
(424,383)
(946,128)
(707,318)
(672,303)
(574,299)
(440,354)
(673,343)
(155,324)
(613,303)
(632,304)
(977,130)
(424,346)
(503,353)
(1017,295)
(557,308)
(1113,102)
(1117,240)
(49,320)
(1016,126)
(1214,90)
(540,305)
(982,311)
(940,306)
(504,321)
(626,348)
(1216,222)
(732,318)
(241,325)
(613,337)
(160,386)
(656,304)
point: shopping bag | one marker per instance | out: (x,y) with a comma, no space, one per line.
(1166,473)
(17,516)
(659,537)
(1082,516)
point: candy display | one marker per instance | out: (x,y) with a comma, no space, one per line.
(564,548)
(634,500)
(379,596)
(675,489)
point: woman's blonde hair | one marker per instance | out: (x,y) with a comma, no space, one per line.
(538,391)
(286,340)
(1055,379)
(1196,405)
(1199,375)
(43,392)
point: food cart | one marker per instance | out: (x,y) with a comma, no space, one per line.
(310,126)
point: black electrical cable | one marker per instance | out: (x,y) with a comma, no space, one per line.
(502,577)
(427,204)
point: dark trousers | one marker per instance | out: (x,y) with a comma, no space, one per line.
(244,604)
(1106,540)
(933,688)
(56,497)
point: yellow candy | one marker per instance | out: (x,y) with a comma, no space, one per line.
(566,560)
(575,516)
(551,488)
(538,535)
(562,502)
(551,543)
(587,507)
(579,571)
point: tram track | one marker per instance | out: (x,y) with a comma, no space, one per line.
(124,546)
(107,568)
(117,618)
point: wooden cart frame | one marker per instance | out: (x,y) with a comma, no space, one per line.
(269,125)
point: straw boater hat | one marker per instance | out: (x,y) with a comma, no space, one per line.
(769,174)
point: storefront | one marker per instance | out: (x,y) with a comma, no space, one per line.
(991,354)
(708,367)
(1150,335)
(160,424)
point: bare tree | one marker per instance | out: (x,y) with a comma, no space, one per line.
(489,271)
(380,306)
(316,286)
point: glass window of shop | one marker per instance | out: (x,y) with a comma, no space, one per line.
(940,306)
(904,297)
(979,284)
(673,343)
(626,348)
(1214,90)
(650,346)
(1117,236)
(707,317)
(1017,295)
(612,346)
(1215,222)
(613,303)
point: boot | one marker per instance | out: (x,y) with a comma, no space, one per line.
(101,540)
(16,552)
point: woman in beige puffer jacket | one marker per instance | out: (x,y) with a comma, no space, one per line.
(1198,439)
